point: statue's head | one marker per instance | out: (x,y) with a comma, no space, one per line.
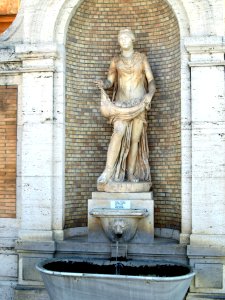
(126,37)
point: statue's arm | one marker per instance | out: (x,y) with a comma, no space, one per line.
(150,78)
(151,88)
(151,83)
(108,83)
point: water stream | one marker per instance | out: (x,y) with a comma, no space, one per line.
(117,253)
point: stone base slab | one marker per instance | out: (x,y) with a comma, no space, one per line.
(122,196)
(193,296)
(208,263)
(30,293)
(159,250)
(35,235)
(30,253)
(207,240)
(145,231)
(124,187)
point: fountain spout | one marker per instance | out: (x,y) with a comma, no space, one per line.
(119,225)
(119,235)
(118,228)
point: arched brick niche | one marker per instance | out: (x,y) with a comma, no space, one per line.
(91,43)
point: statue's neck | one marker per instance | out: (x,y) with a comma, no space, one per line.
(128,53)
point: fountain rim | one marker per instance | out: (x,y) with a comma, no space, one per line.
(112,212)
(40,268)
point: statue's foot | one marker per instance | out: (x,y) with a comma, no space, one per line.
(118,179)
(105,176)
(132,178)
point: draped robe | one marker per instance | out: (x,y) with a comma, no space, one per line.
(130,78)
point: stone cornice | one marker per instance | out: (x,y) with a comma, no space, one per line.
(205,45)
(15,67)
(25,70)
(22,52)
(36,52)
(26,58)
(206,63)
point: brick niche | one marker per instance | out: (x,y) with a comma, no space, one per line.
(91,43)
(8,112)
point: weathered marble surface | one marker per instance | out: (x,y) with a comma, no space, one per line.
(124,187)
(203,21)
(128,154)
(145,229)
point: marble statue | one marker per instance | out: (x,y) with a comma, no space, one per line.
(133,85)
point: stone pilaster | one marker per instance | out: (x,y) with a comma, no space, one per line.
(35,130)
(208,165)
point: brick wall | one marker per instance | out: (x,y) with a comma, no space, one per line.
(91,43)
(8,111)
(8,11)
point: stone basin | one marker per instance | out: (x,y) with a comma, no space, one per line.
(119,224)
(76,279)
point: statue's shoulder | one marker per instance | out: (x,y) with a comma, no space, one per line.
(138,56)
(141,55)
(116,59)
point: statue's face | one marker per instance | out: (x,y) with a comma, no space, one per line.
(125,41)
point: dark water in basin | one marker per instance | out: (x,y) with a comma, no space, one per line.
(158,270)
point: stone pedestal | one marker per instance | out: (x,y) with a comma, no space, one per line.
(125,187)
(208,262)
(145,230)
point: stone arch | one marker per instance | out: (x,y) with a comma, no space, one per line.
(56,15)
(70,7)
(61,25)
(159,38)
(181,15)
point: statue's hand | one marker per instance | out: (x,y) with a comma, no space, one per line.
(99,84)
(147,101)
